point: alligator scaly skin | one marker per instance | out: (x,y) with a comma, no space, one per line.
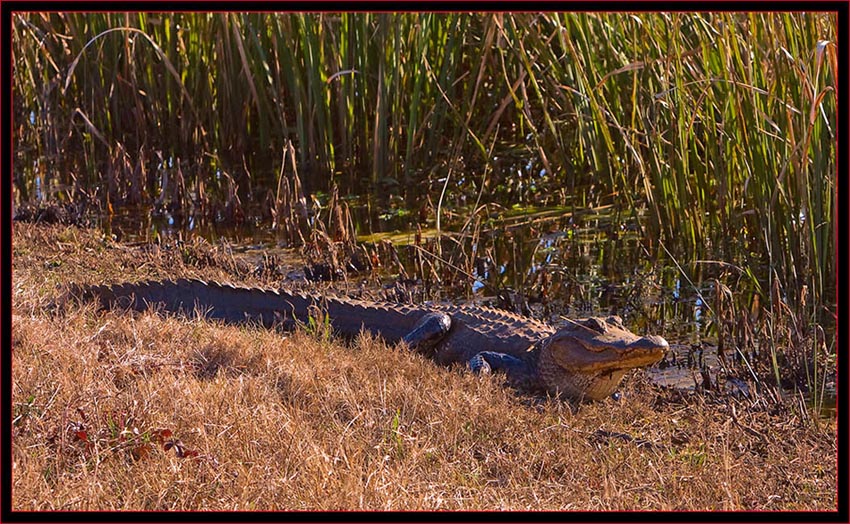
(474,328)
(584,360)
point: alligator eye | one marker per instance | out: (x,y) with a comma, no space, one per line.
(615,320)
(595,324)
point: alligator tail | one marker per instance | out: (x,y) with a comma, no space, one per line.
(239,304)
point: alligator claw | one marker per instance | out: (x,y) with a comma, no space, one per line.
(479,365)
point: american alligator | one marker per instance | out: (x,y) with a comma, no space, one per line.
(586,359)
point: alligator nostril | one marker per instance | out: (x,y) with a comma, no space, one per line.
(657,341)
(650,342)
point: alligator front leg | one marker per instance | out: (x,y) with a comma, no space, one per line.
(428,332)
(519,372)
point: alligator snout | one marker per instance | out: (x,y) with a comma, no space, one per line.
(650,342)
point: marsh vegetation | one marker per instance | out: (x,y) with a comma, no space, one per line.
(676,168)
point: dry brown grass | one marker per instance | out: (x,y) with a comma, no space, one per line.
(272,421)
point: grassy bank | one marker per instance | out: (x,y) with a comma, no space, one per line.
(267,420)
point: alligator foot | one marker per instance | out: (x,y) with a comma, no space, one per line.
(428,332)
(519,373)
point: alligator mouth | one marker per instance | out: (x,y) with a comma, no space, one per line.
(597,356)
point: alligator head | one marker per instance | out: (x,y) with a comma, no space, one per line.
(587,358)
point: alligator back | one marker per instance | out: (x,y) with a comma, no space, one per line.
(473,328)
